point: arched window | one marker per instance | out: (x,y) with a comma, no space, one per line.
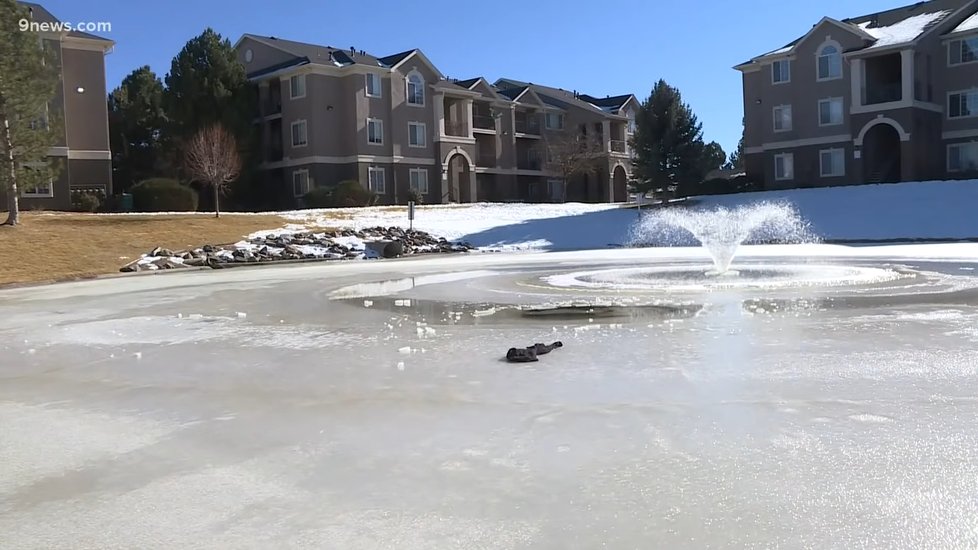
(829,63)
(415,89)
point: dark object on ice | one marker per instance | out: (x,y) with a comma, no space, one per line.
(529,354)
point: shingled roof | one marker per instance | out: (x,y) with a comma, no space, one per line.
(888,28)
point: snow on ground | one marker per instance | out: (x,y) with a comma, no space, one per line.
(906,211)
(940,210)
(923,210)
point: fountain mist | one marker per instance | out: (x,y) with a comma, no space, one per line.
(722,230)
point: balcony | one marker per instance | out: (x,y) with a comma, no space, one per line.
(488,160)
(272,106)
(619,146)
(528,126)
(456,128)
(483,122)
(884,93)
(529,161)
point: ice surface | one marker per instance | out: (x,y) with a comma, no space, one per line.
(798,417)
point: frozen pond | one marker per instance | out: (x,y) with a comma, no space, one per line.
(823,398)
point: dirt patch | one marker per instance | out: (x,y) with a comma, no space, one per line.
(48,247)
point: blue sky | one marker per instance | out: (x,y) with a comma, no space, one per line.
(610,47)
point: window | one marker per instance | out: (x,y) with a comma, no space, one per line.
(784,166)
(782,118)
(555,121)
(300,182)
(829,63)
(830,112)
(962,104)
(962,157)
(376,180)
(419,180)
(299,136)
(40,189)
(373,85)
(415,89)
(781,71)
(555,190)
(375,131)
(963,51)
(632,125)
(417,134)
(297,86)
(832,163)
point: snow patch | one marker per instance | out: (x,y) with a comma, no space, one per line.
(904,31)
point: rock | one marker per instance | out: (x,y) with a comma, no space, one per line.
(208,249)
(195,262)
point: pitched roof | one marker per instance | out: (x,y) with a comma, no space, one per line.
(611,104)
(40,14)
(319,55)
(969,24)
(893,27)
(552,96)
(396,58)
(467,83)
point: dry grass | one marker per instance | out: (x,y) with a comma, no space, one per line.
(50,247)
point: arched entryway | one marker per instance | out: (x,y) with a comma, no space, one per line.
(620,183)
(459,188)
(881,154)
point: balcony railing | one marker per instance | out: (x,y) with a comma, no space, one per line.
(529,163)
(456,128)
(619,146)
(883,93)
(487,160)
(272,106)
(528,127)
(484,122)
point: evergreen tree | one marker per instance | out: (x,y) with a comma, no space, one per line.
(28,81)
(713,157)
(207,85)
(736,160)
(136,123)
(668,141)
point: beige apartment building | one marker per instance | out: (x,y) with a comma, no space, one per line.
(396,123)
(885,97)
(83,150)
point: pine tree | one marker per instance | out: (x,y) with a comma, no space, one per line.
(207,85)
(668,141)
(28,82)
(713,157)
(136,123)
(736,160)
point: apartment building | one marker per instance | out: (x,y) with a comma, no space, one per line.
(885,97)
(83,149)
(396,123)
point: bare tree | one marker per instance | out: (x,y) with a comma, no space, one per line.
(211,156)
(572,154)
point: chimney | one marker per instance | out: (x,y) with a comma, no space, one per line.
(30,11)
(353,50)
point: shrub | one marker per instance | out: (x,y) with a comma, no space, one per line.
(318,197)
(86,200)
(163,195)
(351,193)
(415,196)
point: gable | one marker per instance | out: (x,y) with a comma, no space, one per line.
(263,55)
(417,60)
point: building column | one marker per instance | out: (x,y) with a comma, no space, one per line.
(472,186)
(606,134)
(468,117)
(856,79)
(610,178)
(439,100)
(906,59)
